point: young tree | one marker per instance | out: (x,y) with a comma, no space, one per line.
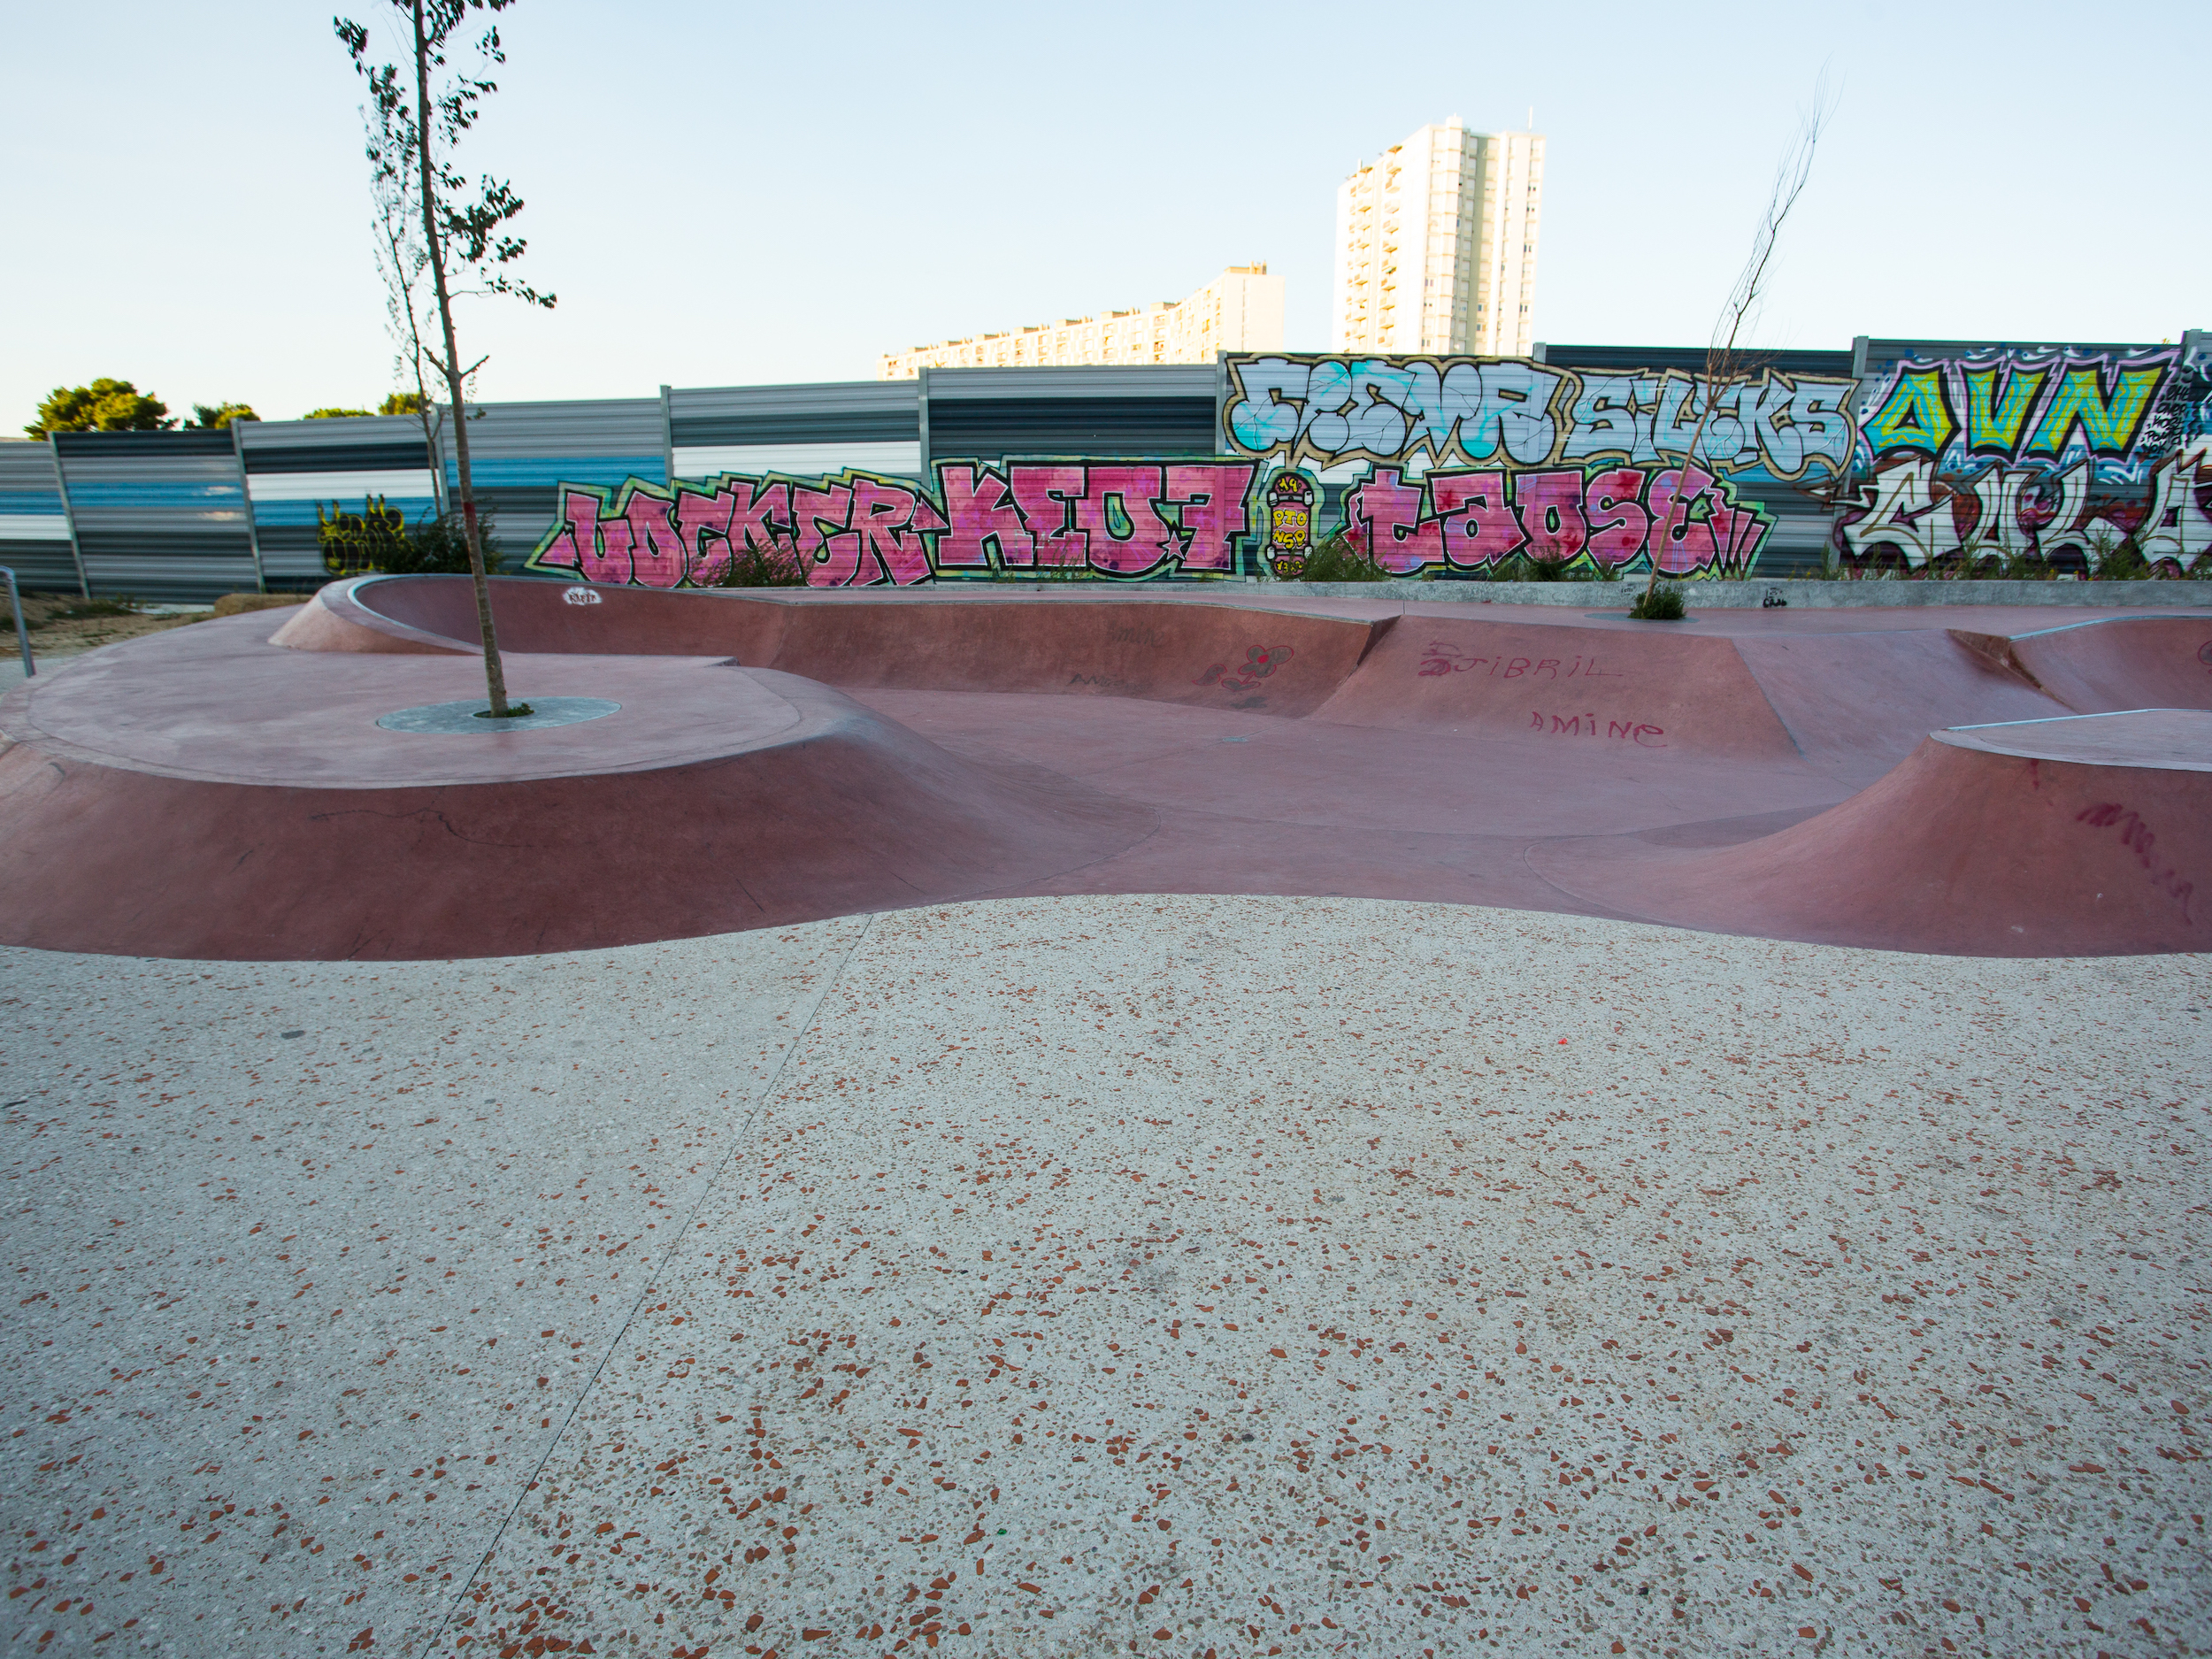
(103,406)
(465,235)
(1722,363)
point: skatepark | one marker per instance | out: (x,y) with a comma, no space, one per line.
(1053,1122)
(1992,781)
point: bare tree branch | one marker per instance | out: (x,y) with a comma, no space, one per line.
(1724,366)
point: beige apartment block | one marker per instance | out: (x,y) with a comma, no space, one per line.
(1241,310)
(1436,245)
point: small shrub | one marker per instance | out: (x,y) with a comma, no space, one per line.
(1341,559)
(1662,603)
(379,540)
(774,566)
(2121,561)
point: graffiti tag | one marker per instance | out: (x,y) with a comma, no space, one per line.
(1514,412)
(1684,518)
(1121,519)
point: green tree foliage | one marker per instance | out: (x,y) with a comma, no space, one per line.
(216,417)
(333,413)
(404,403)
(103,406)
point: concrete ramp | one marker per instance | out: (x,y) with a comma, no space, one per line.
(1608,685)
(1166,650)
(2121,663)
(2077,836)
(134,820)
(1856,703)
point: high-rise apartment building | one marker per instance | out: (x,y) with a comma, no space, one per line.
(1241,310)
(1436,245)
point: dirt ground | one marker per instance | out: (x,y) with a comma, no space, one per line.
(59,628)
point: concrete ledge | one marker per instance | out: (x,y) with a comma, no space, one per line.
(1734,595)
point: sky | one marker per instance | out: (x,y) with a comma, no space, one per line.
(731,195)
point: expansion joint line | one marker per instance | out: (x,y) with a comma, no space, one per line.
(738,1139)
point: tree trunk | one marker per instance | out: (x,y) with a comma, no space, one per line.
(495,674)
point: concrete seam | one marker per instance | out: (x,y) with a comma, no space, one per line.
(668,1257)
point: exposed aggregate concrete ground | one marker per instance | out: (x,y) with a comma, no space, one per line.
(1170,1276)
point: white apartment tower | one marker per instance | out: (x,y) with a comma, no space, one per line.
(1436,245)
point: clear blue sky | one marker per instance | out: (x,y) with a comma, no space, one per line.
(731,193)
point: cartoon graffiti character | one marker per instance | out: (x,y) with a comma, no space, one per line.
(1259,662)
(1289,522)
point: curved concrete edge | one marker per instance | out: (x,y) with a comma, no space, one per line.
(2156,740)
(2120,661)
(1285,662)
(335,619)
(1958,850)
(850,813)
(1799,593)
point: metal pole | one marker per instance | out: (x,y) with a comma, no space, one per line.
(22,633)
(245,491)
(69,512)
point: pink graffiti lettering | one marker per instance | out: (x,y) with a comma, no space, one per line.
(888,521)
(657,552)
(1210,503)
(701,519)
(580,538)
(1618,524)
(757,508)
(1390,513)
(831,560)
(981,515)
(1697,528)
(1122,532)
(1479,525)
(1045,494)
(1550,505)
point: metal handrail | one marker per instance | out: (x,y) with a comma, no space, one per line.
(22,633)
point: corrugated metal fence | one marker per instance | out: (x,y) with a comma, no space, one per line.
(184,516)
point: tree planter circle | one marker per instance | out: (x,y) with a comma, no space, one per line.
(446,719)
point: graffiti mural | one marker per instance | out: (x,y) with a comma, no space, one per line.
(1129,519)
(1610,517)
(1474,467)
(1514,412)
(2051,457)
(1450,465)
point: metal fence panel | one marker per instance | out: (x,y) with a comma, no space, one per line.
(159,515)
(988,414)
(33,524)
(520,454)
(298,469)
(804,430)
